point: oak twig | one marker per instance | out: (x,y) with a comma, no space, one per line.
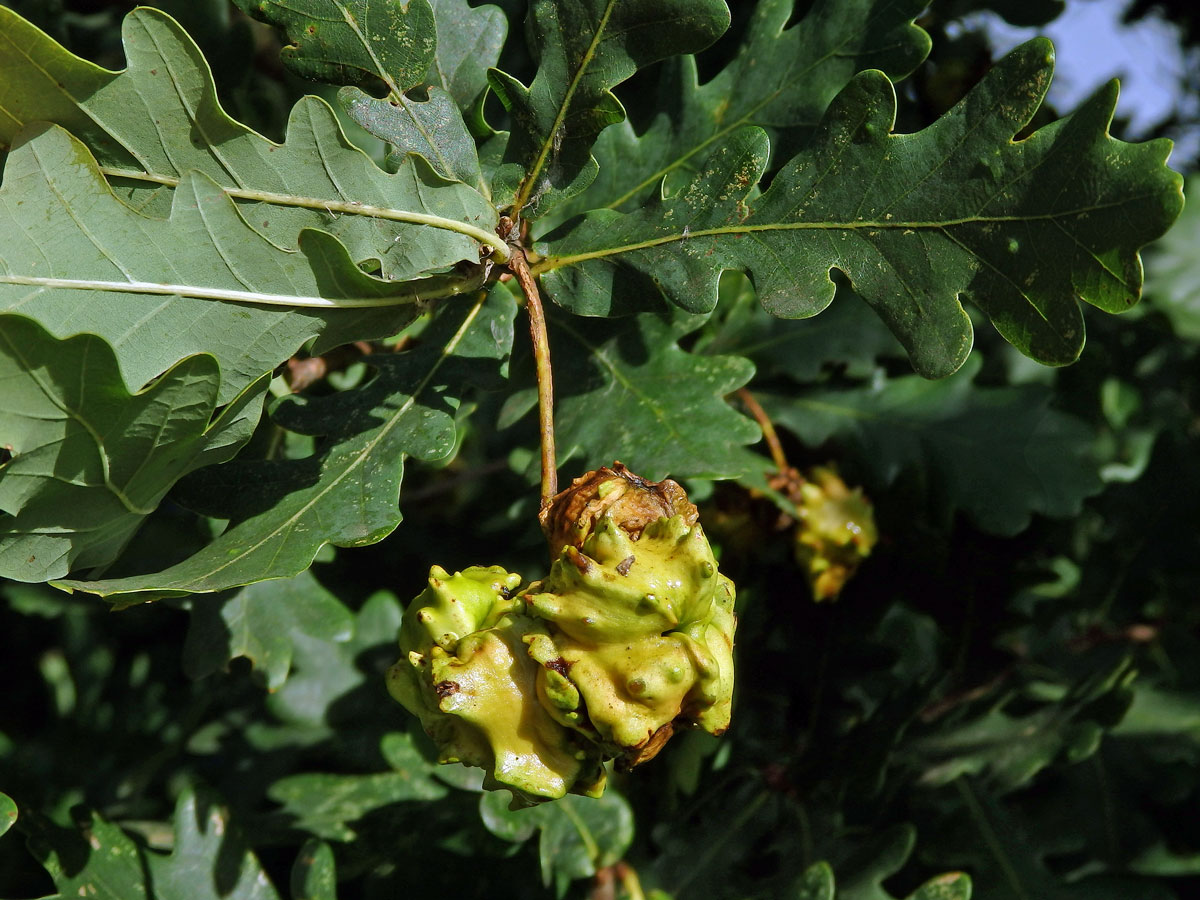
(541,356)
(768,429)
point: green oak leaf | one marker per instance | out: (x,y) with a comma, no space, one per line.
(70,858)
(883,853)
(78,259)
(323,803)
(781,79)
(994,840)
(313,702)
(209,860)
(261,622)
(579,835)
(848,337)
(89,460)
(8,812)
(951,886)
(584,48)
(361,42)
(433,128)
(346,494)
(629,392)
(468,42)
(1024,229)
(1006,750)
(314,874)
(999,454)
(159,119)
(815,884)
(1173,269)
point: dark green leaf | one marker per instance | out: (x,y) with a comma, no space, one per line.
(90,460)
(8,812)
(346,494)
(578,834)
(330,671)
(630,393)
(1010,749)
(97,860)
(584,48)
(1173,269)
(781,78)
(209,859)
(433,128)
(323,804)
(847,337)
(262,623)
(816,883)
(353,41)
(469,40)
(1024,229)
(313,875)
(1009,860)
(999,454)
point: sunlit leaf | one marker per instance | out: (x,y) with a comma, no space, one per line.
(90,460)
(1023,229)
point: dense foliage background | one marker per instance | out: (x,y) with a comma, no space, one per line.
(1010,687)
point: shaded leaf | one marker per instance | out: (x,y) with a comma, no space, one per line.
(781,78)
(469,40)
(861,875)
(847,337)
(1024,229)
(89,460)
(209,860)
(96,860)
(1010,749)
(579,835)
(327,672)
(353,41)
(816,883)
(433,128)
(260,622)
(79,260)
(999,454)
(584,48)
(346,494)
(1008,859)
(324,803)
(1173,269)
(629,392)
(314,876)
(159,119)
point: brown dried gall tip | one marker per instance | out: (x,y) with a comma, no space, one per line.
(631,501)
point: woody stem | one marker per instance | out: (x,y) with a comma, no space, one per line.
(768,429)
(541,356)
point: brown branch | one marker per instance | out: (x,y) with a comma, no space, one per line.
(768,429)
(541,355)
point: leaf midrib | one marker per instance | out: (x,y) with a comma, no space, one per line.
(560,115)
(549,263)
(500,251)
(359,459)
